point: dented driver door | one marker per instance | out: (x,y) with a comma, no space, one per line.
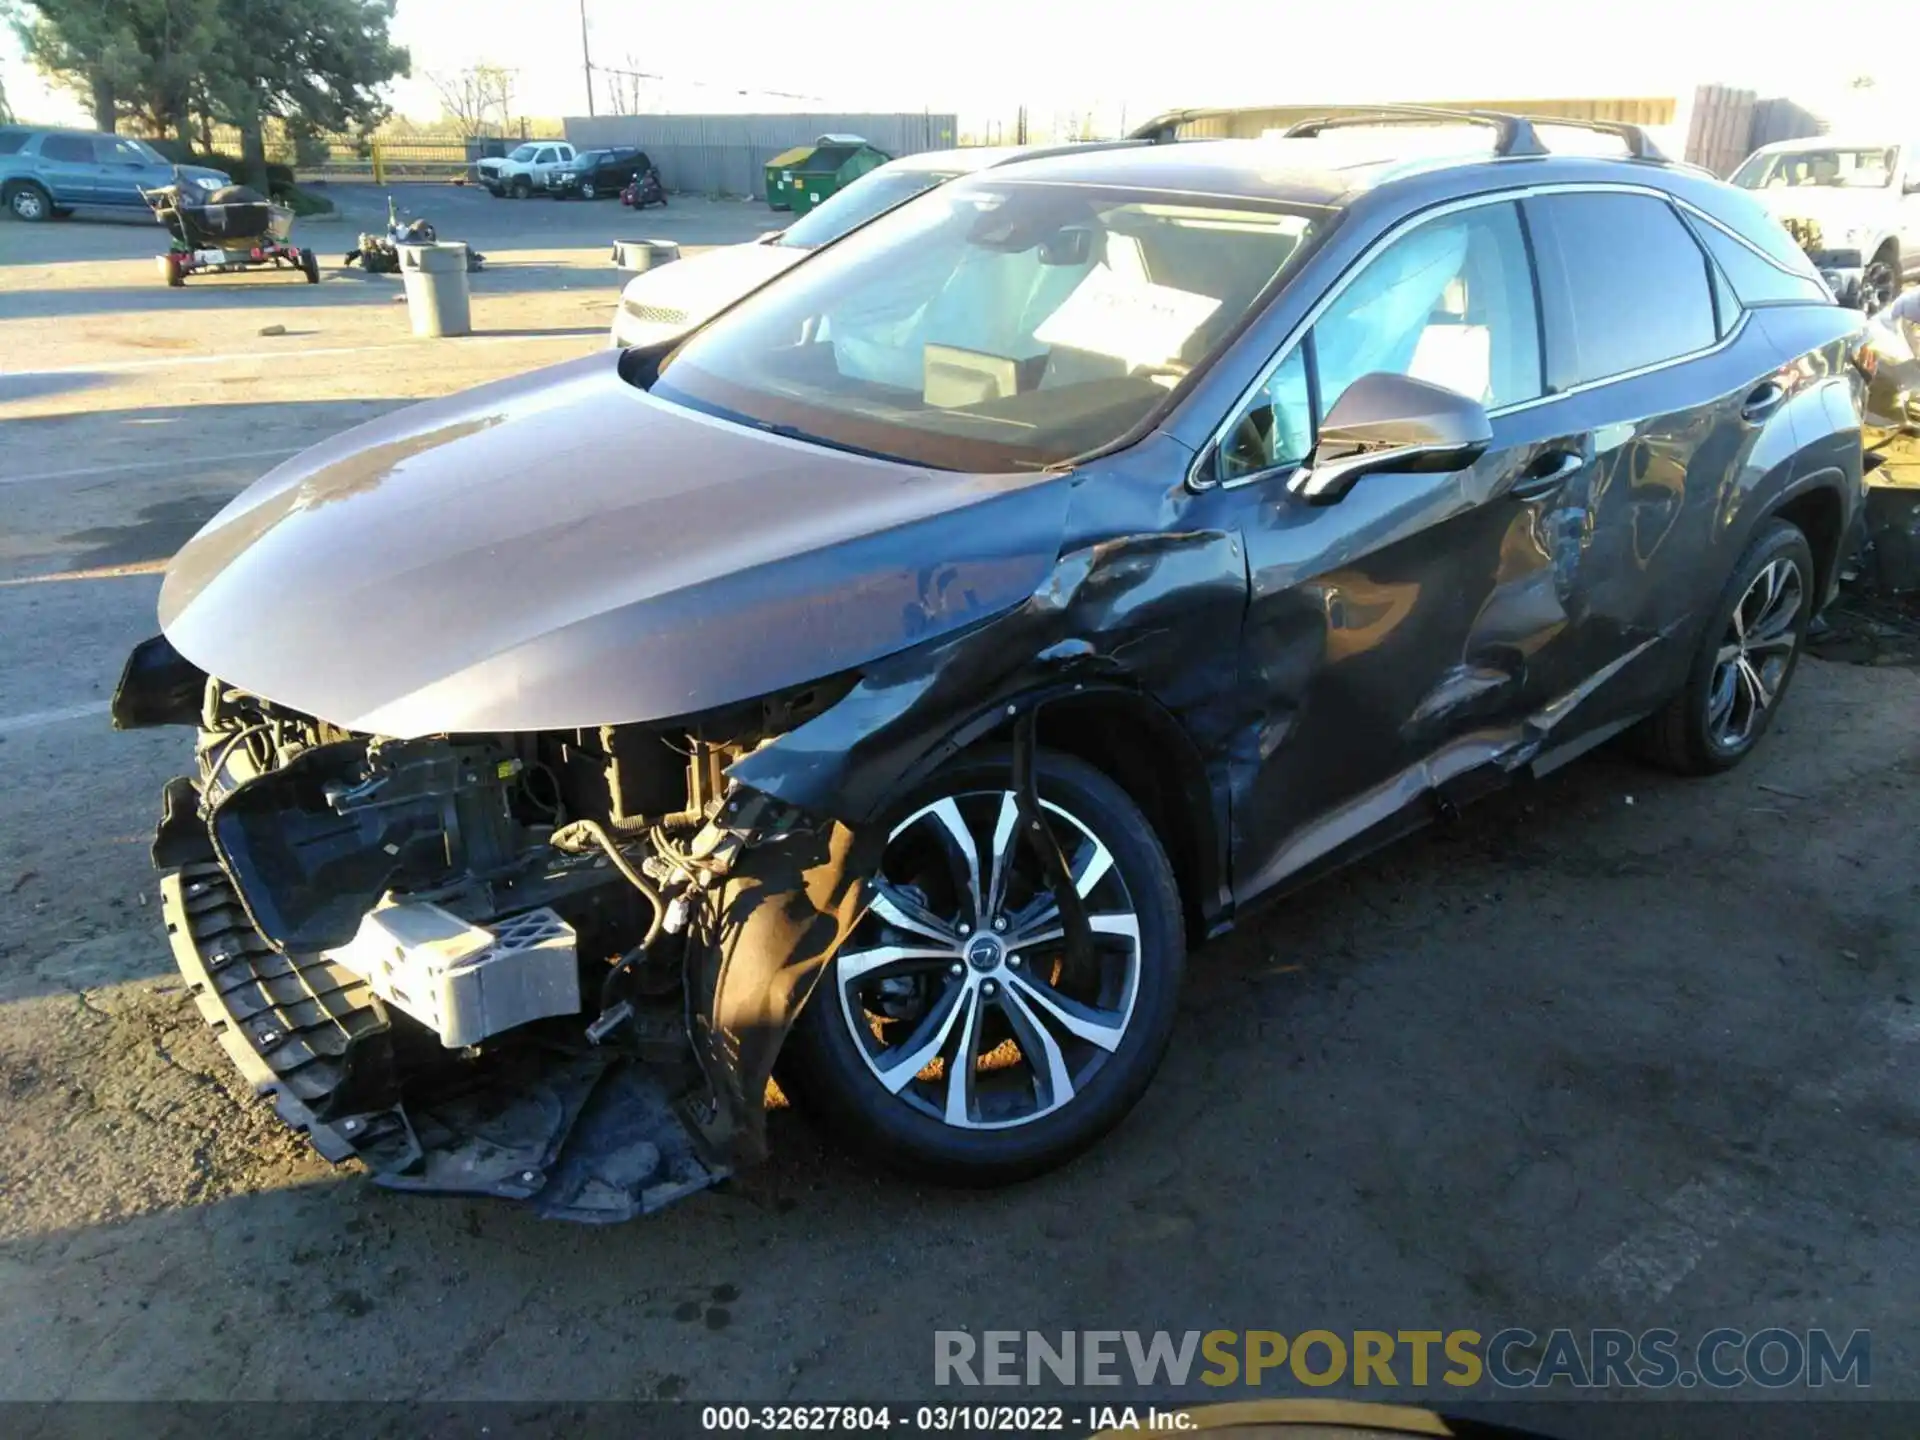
(1415,636)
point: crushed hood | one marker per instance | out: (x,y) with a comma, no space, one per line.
(563,550)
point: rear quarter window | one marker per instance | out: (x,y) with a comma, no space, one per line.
(1636,288)
(11,141)
(1759,278)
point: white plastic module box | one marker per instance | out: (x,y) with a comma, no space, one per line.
(466,981)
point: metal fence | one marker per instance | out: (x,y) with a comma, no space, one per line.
(727,154)
(384,155)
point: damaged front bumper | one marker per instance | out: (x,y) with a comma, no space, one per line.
(423,980)
(580,1133)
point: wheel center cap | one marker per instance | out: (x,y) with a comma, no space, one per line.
(985,952)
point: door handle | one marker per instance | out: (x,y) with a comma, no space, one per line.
(1763,400)
(1546,474)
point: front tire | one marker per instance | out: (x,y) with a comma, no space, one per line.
(1745,662)
(1880,282)
(30,203)
(960,955)
(521,187)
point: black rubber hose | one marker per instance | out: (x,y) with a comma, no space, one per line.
(598,833)
(638,954)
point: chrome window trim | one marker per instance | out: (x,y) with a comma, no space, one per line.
(1810,273)
(1197,482)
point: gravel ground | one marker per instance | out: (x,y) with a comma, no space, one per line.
(1612,1049)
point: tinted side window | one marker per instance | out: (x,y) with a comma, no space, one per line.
(1755,280)
(1450,302)
(11,141)
(1637,287)
(68,147)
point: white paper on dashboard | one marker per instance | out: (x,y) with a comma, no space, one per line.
(1131,320)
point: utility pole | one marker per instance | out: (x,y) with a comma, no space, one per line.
(586,58)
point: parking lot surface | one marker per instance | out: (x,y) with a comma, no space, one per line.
(1613,1049)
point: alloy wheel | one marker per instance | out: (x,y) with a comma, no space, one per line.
(1755,654)
(955,987)
(28,204)
(586,190)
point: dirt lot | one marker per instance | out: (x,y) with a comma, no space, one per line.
(1615,1049)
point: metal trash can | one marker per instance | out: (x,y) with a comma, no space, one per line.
(438,302)
(632,257)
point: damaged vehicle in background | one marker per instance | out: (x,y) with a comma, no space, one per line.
(1889,557)
(964,627)
(1854,208)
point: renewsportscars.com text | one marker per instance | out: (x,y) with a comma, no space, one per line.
(1514,1359)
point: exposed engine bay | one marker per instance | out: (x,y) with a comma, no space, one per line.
(487,963)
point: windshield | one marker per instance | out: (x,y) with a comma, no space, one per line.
(146,152)
(524,152)
(872,194)
(991,326)
(1870,169)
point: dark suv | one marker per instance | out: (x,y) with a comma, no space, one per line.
(895,677)
(598,174)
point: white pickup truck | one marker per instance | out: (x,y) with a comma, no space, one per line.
(1855,207)
(525,169)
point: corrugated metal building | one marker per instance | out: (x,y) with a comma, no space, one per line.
(724,154)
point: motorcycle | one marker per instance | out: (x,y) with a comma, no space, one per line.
(645,190)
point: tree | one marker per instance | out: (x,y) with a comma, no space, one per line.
(318,62)
(6,112)
(90,46)
(476,97)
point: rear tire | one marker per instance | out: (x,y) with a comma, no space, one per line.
(1746,660)
(310,265)
(1039,1090)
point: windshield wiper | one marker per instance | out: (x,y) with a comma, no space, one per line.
(794,432)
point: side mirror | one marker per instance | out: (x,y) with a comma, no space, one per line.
(1912,187)
(1385,421)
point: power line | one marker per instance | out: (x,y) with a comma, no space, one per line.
(704,84)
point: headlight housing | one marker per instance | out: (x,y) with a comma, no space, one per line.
(208,182)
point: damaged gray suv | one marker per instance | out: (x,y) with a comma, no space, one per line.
(890,682)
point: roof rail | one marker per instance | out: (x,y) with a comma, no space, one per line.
(1164,129)
(1639,144)
(1514,133)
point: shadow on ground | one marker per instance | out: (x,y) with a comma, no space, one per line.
(1445,1085)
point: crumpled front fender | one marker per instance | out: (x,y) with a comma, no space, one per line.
(1155,618)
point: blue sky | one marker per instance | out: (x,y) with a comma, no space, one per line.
(985,57)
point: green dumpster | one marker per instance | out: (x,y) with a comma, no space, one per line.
(780,176)
(835,163)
